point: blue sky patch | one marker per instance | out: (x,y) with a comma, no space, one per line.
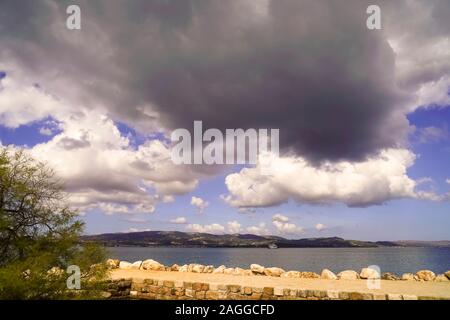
(29,134)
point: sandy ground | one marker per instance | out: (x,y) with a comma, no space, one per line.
(432,289)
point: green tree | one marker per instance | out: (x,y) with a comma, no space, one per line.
(40,235)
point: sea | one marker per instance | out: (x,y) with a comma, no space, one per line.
(398,260)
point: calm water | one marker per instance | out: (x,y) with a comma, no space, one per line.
(397,260)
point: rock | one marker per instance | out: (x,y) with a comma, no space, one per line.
(327,274)
(274,272)
(136,265)
(125,265)
(153,265)
(389,276)
(198,268)
(441,278)
(191,266)
(425,275)
(228,271)
(447,274)
(239,272)
(369,273)
(220,269)
(408,276)
(174,267)
(112,263)
(257,269)
(248,272)
(291,274)
(348,275)
(208,269)
(184,268)
(309,275)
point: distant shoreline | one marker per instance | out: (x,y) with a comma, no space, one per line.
(206,240)
(203,247)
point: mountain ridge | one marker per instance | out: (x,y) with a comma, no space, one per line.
(196,239)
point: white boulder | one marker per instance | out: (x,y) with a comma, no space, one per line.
(257,269)
(274,272)
(369,273)
(183,268)
(220,269)
(112,263)
(328,274)
(425,275)
(208,269)
(441,278)
(152,265)
(228,271)
(291,274)
(198,268)
(348,275)
(136,265)
(239,272)
(125,265)
(408,276)
(309,275)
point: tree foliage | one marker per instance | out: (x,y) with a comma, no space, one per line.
(39,234)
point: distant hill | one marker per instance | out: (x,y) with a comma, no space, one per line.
(418,243)
(184,239)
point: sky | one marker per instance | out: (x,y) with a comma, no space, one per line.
(364,115)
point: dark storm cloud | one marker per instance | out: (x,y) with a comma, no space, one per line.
(308,67)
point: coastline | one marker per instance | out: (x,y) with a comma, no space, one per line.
(395,260)
(151,280)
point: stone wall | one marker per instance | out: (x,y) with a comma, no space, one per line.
(119,289)
(154,289)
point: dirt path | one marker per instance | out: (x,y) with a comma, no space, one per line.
(431,289)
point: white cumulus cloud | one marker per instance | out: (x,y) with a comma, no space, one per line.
(45,131)
(259,229)
(234,227)
(131,230)
(99,166)
(21,104)
(283,225)
(320,227)
(287,228)
(207,228)
(280,218)
(179,220)
(358,184)
(199,203)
